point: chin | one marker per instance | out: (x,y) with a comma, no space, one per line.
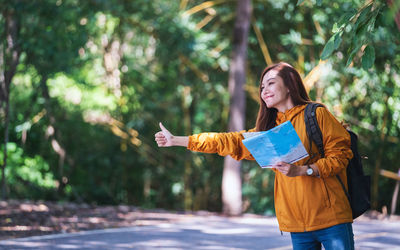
(270,106)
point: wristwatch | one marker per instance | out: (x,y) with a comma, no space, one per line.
(310,171)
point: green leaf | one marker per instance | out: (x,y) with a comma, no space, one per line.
(338,40)
(350,59)
(299,2)
(329,48)
(356,44)
(354,49)
(335,28)
(363,16)
(368,58)
(346,17)
(371,22)
(319,2)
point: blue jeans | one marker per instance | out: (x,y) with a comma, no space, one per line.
(337,237)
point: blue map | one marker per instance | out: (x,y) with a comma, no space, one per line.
(277,144)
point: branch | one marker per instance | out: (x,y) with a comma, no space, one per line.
(261,42)
(396,9)
(203,6)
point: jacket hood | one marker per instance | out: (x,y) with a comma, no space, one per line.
(289,114)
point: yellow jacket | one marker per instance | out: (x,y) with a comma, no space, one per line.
(302,203)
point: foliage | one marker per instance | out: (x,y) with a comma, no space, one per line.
(358,26)
(258,189)
(29,177)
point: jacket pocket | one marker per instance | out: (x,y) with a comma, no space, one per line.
(325,192)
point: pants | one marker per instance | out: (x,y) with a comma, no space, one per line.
(337,237)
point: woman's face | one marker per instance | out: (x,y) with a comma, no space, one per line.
(274,92)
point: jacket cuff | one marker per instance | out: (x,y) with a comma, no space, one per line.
(320,175)
(190,146)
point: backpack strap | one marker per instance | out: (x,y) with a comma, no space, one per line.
(344,188)
(315,135)
(312,128)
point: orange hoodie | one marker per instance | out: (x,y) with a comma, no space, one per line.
(302,203)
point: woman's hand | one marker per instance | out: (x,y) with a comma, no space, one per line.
(164,137)
(290,169)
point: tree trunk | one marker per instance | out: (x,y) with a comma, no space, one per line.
(187,176)
(52,133)
(378,163)
(8,63)
(231,180)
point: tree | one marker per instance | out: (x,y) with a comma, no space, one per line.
(134,63)
(358,33)
(10,52)
(231,179)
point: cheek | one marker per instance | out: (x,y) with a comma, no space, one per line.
(284,91)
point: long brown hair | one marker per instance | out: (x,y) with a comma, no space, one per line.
(266,116)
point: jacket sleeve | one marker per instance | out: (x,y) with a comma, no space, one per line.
(221,143)
(337,145)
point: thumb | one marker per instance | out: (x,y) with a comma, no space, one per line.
(163,129)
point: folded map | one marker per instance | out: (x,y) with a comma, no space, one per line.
(280,143)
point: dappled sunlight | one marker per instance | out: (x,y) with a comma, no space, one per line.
(117,128)
(195,232)
(22,219)
(26,228)
(203,232)
(84,85)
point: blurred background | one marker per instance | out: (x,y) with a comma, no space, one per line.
(85,83)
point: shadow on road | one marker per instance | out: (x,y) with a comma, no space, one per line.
(203,232)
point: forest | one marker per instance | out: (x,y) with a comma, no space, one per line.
(84,85)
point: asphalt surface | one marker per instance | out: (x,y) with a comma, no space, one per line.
(209,232)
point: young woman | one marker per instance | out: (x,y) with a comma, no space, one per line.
(309,200)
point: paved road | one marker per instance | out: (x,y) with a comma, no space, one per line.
(210,232)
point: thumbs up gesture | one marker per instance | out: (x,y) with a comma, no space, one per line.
(163,137)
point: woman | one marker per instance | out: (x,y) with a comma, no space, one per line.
(309,200)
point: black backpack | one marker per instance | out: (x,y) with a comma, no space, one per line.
(359,185)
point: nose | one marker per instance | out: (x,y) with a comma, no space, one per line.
(264,91)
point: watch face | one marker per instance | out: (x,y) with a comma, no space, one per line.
(310,171)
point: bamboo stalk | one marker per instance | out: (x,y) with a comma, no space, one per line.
(389,174)
(261,42)
(203,6)
(379,158)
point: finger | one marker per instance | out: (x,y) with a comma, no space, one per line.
(163,128)
(161,140)
(161,143)
(159,135)
(282,171)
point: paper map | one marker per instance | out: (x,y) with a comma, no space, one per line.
(277,144)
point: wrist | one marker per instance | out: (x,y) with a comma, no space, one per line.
(180,141)
(304,169)
(311,170)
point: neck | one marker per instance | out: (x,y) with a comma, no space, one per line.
(285,106)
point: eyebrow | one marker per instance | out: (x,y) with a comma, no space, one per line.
(270,79)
